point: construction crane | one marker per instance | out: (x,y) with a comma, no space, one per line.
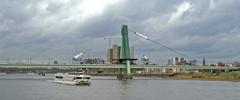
(145,60)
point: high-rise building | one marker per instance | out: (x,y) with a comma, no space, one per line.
(177,61)
(116,50)
(170,62)
(109,56)
(113,54)
(204,62)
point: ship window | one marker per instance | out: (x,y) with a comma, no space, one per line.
(60,77)
(86,77)
(78,77)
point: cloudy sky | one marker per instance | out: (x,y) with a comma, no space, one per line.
(59,29)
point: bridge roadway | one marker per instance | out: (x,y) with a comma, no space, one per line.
(60,66)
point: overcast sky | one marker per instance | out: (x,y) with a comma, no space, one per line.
(60,29)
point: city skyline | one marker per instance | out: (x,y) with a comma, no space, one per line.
(62,28)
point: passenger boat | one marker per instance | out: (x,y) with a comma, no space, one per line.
(3,73)
(75,78)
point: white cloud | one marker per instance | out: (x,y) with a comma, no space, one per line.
(212,4)
(86,9)
(184,7)
(94,7)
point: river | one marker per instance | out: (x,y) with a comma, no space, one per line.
(34,87)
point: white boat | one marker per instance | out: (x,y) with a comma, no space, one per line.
(30,73)
(3,73)
(72,78)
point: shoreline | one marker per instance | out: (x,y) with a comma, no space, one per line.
(223,76)
(203,79)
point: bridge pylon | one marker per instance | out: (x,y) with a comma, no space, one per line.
(125,55)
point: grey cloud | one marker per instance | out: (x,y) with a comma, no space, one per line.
(53,29)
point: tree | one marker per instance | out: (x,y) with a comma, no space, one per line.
(55,62)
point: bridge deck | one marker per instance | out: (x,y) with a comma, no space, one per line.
(50,66)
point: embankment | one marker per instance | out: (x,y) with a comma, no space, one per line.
(223,76)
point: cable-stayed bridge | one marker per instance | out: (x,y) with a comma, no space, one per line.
(125,69)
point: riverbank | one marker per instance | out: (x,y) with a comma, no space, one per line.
(223,76)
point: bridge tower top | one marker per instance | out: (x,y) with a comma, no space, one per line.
(125,51)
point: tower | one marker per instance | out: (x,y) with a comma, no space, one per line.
(125,54)
(204,62)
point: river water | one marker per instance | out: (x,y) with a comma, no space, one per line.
(34,87)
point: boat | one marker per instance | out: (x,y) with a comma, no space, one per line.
(30,73)
(3,73)
(75,78)
(41,73)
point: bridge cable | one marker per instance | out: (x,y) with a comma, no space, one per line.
(171,49)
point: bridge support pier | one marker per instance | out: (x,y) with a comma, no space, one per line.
(124,76)
(128,74)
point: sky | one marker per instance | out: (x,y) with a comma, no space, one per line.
(46,30)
